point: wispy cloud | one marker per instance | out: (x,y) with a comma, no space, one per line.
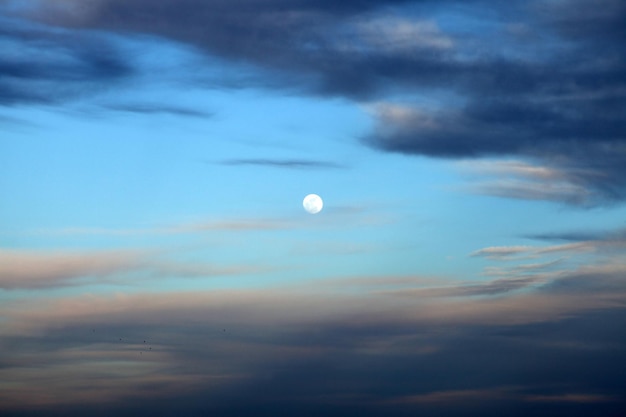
(456,396)
(496,287)
(608,244)
(574,271)
(27,269)
(284,163)
(576,398)
(501,252)
(149,109)
(40,269)
(393,35)
(582,235)
(527,181)
(524,269)
(469,397)
(231,225)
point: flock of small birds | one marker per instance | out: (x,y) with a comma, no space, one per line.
(121,340)
(149,347)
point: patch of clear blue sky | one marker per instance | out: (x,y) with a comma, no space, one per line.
(86,165)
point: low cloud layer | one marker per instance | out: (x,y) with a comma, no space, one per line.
(542,338)
(241,351)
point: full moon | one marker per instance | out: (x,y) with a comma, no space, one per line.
(313,203)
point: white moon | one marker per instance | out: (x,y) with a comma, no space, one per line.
(313,203)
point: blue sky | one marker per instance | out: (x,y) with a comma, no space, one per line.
(153,161)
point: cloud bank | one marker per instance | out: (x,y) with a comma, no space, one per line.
(428,349)
(542,338)
(551,89)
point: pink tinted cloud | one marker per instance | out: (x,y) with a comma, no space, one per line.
(45,269)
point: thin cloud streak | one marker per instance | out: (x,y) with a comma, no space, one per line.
(231,225)
(40,269)
(150,109)
(30,270)
(572,398)
(582,235)
(501,252)
(615,243)
(284,163)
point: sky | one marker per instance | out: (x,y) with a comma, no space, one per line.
(156,259)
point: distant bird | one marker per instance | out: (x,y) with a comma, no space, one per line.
(144,341)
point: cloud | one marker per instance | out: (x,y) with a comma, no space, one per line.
(491,288)
(571,398)
(392,34)
(609,243)
(45,65)
(8,120)
(456,396)
(555,97)
(507,253)
(557,112)
(233,225)
(25,269)
(317,42)
(614,236)
(230,352)
(159,109)
(32,269)
(288,306)
(531,181)
(284,163)
(500,252)
(523,269)
(528,181)
(584,280)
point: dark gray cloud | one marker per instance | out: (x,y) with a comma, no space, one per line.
(566,110)
(45,65)
(583,235)
(317,44)
(284,163)
(541,81)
